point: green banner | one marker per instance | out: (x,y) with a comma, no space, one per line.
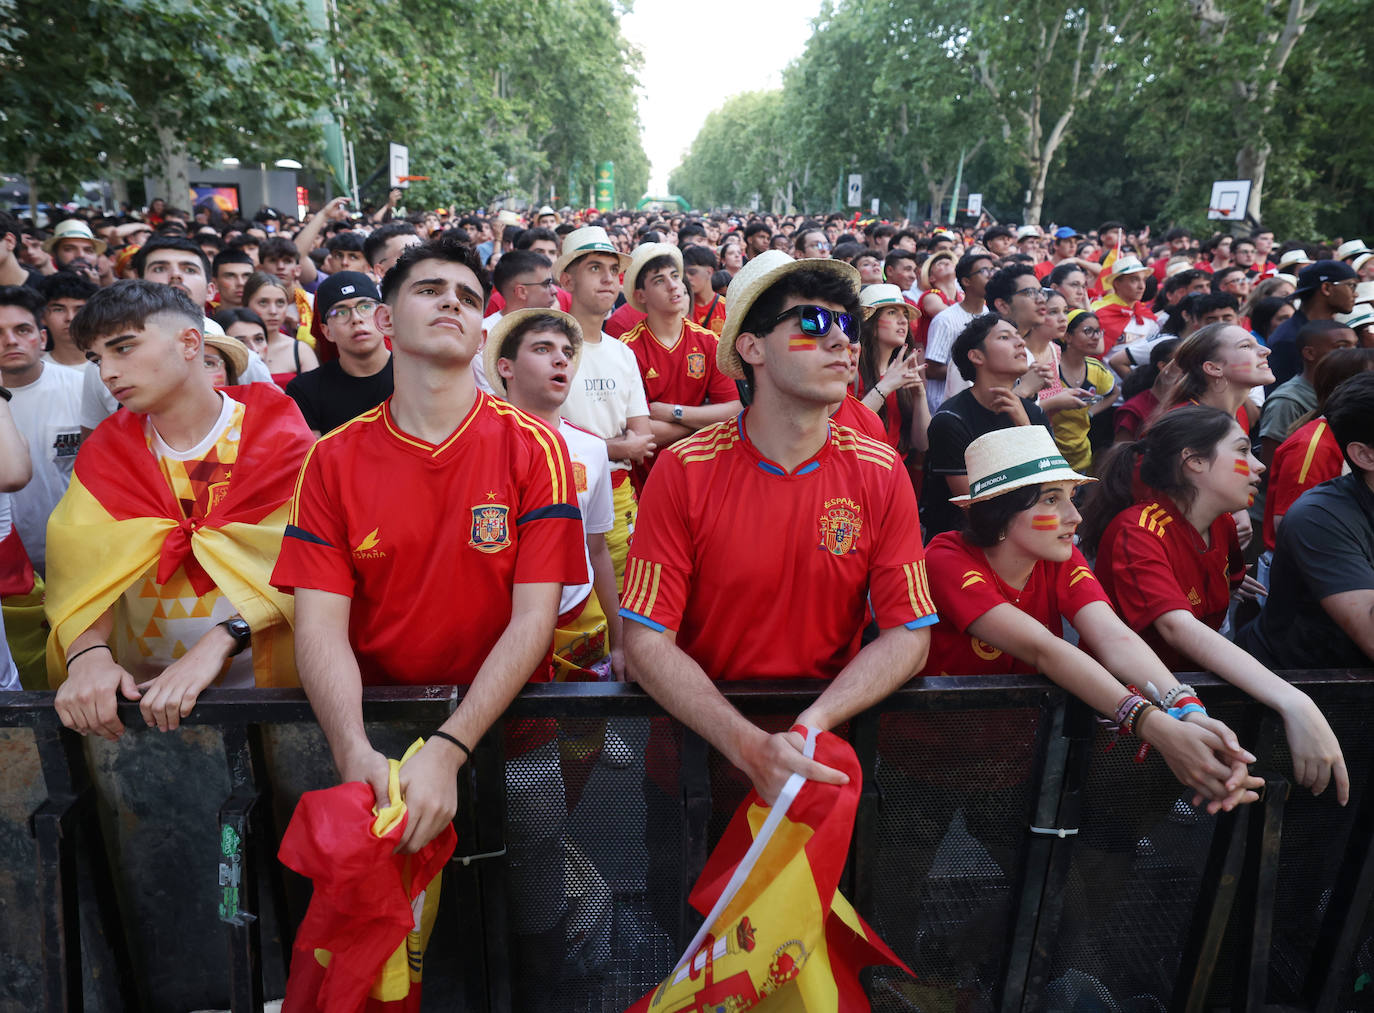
(605,186)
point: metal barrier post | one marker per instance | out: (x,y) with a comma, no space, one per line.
(1260,884)
(1340,930)
(1220,879)
(240,851)
(696,800)
(1033,889)
(859,871)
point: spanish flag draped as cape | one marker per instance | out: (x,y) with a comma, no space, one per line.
(119,516)
(779,937)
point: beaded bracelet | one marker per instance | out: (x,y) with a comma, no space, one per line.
(1182,689)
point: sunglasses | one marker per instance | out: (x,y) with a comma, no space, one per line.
(816,321)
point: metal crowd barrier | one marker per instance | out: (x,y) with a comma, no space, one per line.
(1005,847)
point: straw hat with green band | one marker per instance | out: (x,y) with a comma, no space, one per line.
(580,242)
(879,297)
(1007,459)
(757,276)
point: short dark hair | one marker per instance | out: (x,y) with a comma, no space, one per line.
(1263,312)
(210,239)
(971,339)
(531,236)
(510,344)
(231,315)
(689,230)
(278,248)
(11,226)
(245,239)
(372,245)
(1061,273)
(1002,285)
(26,298)
(1350,413)
(999,232)
(447,248)
(1202,303)
(696,255)
(169,243)
(1313,328)
(1219,277)
(720,281)
(1241,241)
(1108,226)
(968,263)
(348,242)
(230,256)
(66,285)
(986,521)
(655,264)
(515,263)
(876,232)
(754,228)
(128,305)
(896,255)
(1177,233)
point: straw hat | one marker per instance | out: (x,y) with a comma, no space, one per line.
(1362,316)
(1364,292)
(234,350)
(1122,266)
(755,278)
(1007,459)
(491,351)
(1293,258)
(1177,265)
(580,242)
(930,262)
(73,228)
(644,253)
(1360,261)
(1352,248)
(873,298)
(1028,232)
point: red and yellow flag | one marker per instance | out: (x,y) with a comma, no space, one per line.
(360,947)
(119,517)
(778,934)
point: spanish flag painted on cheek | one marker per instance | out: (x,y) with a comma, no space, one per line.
(119,517)
(778,935)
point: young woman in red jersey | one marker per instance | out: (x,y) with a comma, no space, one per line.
(1170,560)
(1004,585)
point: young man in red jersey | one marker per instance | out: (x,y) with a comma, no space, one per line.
(685,388)
(816,505)
(477,496)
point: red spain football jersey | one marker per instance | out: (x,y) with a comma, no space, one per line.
(1152,561)
(766,574)
(1308,458)
(966,587)
(684,374)
(429,540)
(856,415)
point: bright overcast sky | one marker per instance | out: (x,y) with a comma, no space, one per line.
(754,39)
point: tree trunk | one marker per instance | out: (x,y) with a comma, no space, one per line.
(1251,161)
(32,176)
(939,192)
(176,172)
(1036,203)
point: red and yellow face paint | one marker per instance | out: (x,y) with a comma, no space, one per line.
(801,343)
(1242,466)
(1045,522)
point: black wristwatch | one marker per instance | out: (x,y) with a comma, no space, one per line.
(5,393)
(238,628)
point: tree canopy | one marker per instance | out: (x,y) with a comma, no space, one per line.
(1072,113)
(490,98)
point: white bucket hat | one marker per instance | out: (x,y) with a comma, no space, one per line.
(753,279)
(1123,266)
(1007,459)
(73,228)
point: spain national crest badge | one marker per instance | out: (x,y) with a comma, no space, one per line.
(840,525)
(696,365)
(490,530)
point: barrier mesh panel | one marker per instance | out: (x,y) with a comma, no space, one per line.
(955,797)
(585,930)
(21,792)
(1134,878)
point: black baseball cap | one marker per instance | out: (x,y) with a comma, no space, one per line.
(1316,275)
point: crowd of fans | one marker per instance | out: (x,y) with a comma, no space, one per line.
(911,450)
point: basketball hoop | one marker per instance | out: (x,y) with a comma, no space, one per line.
(411,179)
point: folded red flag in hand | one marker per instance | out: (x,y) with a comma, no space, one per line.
(361,943)
(778,934)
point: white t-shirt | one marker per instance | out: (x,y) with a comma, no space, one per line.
(946,326)
(479,369)
(98,404)
(48,413)
(606,392)
(592,476)
(9,675)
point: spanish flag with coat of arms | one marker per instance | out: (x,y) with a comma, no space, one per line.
(119,517)
(779,937)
